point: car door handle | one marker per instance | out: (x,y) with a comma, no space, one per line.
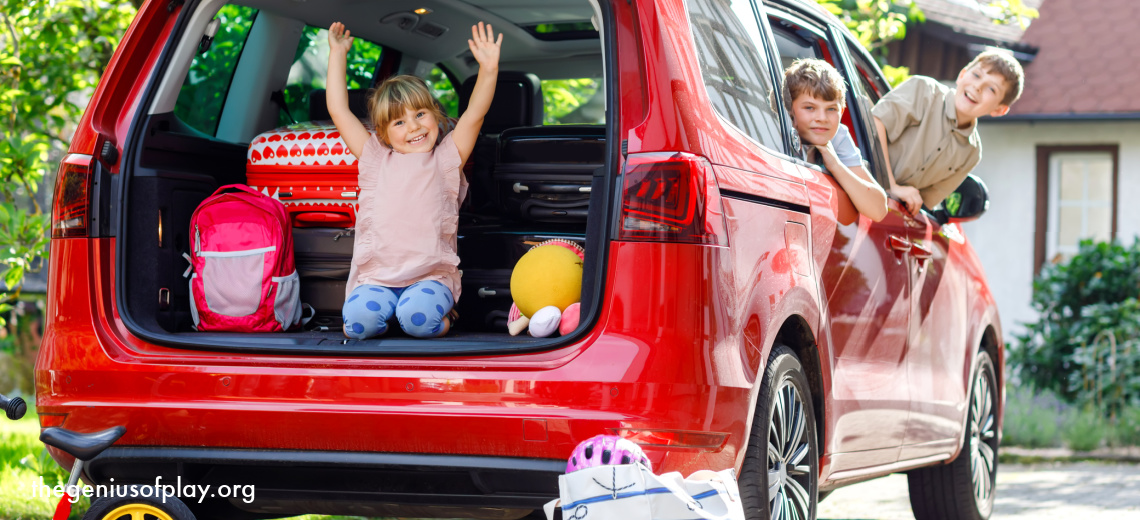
(920,251)
(899,244)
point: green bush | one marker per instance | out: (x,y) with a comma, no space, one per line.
(1085,344)
(1085,430)
(1032,421)
(1126,430)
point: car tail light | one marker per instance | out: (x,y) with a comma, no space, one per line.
(671,197)
(70,210)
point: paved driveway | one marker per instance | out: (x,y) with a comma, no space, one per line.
(1084,491)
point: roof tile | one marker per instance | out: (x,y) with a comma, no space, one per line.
(1077,68)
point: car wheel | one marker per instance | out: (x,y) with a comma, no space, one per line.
(138,503)
(964,489)
(780,477)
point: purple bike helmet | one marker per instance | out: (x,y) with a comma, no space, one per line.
(601,450)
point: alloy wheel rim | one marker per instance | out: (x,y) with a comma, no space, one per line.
(983,443)
(789,457)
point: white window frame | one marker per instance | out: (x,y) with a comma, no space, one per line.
(1052,234)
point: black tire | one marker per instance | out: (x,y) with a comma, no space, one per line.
(964,488)
(788,457)
(146,501)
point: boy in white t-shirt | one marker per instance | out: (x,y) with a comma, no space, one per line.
(815,96)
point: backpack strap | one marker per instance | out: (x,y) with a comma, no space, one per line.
(239,187)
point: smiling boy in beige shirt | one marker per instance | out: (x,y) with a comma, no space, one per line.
(929,132)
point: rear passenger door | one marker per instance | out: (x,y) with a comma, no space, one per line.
(936,355)
(867,289)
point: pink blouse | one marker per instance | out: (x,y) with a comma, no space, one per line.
(408,217)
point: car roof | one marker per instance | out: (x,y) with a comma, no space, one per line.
(809,9)
(454,18)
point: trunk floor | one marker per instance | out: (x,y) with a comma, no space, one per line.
(393,343)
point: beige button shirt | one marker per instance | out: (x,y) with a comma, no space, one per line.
(928,151)
(408,217)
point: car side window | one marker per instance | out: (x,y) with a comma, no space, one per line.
(873,85)
(793,43)
(867,87)
(795,40)
(310,68)
(734,64)
(443,91)
(204,90)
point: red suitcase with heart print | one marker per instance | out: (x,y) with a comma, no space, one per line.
(308,168)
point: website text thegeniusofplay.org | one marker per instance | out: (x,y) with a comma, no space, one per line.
(160,491)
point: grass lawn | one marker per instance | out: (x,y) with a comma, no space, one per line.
(23,461)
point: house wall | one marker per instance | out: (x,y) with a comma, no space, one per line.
(1004,236)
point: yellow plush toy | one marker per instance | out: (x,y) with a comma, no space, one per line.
(549,275)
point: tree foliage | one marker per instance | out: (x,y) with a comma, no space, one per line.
(876,23)
(570,101)
(1010,12)
(51,55)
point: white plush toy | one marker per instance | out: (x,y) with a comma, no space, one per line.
(545,321)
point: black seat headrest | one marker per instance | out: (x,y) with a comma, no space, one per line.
(517,101)
(357,103)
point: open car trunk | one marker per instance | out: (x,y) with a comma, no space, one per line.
(529,182)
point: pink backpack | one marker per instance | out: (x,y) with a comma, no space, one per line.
(241,256)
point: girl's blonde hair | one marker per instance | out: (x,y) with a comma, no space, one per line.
(389,100)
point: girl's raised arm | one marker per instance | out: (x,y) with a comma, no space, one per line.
(336,91)
(486,50)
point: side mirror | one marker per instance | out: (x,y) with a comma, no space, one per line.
(967,203)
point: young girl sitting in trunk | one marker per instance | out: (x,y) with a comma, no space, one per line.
(411,184)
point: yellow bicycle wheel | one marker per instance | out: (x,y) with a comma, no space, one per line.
(138,502)
(137,512)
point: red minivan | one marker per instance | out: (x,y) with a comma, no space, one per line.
(737,312)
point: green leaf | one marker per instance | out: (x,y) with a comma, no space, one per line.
(14,276)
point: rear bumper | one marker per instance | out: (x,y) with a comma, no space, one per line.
(509,417)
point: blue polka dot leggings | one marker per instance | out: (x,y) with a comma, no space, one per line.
(419,308)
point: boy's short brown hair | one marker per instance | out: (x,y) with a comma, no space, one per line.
(815,77)
(395,94)
(1002,62)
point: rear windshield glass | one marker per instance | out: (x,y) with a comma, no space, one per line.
(310,68)
(573,101)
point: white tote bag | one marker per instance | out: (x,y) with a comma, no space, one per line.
(632,492)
